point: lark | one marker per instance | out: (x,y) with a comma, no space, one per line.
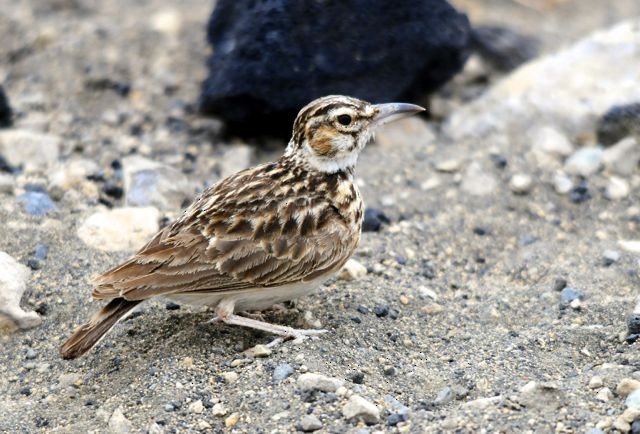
(263,236)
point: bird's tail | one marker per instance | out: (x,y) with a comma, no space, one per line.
(87,336)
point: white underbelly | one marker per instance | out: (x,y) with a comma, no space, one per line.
(252,299)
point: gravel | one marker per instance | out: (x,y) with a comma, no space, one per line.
(470,278)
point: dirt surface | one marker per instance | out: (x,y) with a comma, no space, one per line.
(458,312)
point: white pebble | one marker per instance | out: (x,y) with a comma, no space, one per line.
(352,270)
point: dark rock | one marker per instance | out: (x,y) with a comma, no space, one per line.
(111,188)
(41,422)
(357,377)
(479,231)
(381,311)
(580,193)
(503,48)
(34,264)
(429,270)
(37,203)
(271,58)
(5,166)
(362,309)
(570,294)
(500,161)
(619,122)
(42,309)
(100,78)
(635,427)
(395,418)
(559,284)
(6,113)
(373,220)
(172,306)
(631,339)
(633,323)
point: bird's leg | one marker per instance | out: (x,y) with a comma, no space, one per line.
(284,332)
(224,313)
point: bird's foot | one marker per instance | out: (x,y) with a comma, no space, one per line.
(284,332)
(298,335)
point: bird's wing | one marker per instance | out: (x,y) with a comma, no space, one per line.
(218,246)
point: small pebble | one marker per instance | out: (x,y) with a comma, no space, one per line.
(617,188)
(449,166)
(357,377)
(219,410)
(373,220)
(595,382)
(610,257)
(633,323)
(633,399)
(37,203)
(521,183)
(381,311)
(31,354)
(196,407)
(622,425)
(569,294)
(352,270)
(359,408)
(580,193)
(559,284)
(258,351)
(310,423)
(118,423)
(282,371)
(627,386)
(230,377)
(604,395)
(203,425)
(232,420)
(432,309)
(313,381)
(584,162)
(444,396)
(562,184)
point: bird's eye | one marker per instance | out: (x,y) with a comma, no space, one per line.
(344,120)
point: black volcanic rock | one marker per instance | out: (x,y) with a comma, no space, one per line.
(5,110)
(619,122)
(272,57)
(503,48)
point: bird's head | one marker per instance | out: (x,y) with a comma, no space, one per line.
(330,132)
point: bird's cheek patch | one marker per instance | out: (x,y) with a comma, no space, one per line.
(322,142)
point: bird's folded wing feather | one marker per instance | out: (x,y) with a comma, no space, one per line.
(227,252)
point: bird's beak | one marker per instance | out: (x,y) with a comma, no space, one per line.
(393,111)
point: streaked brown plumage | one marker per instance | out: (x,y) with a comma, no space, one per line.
(262,236)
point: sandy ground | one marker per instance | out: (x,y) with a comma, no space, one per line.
(460,291)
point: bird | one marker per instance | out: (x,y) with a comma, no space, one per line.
(262,236)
